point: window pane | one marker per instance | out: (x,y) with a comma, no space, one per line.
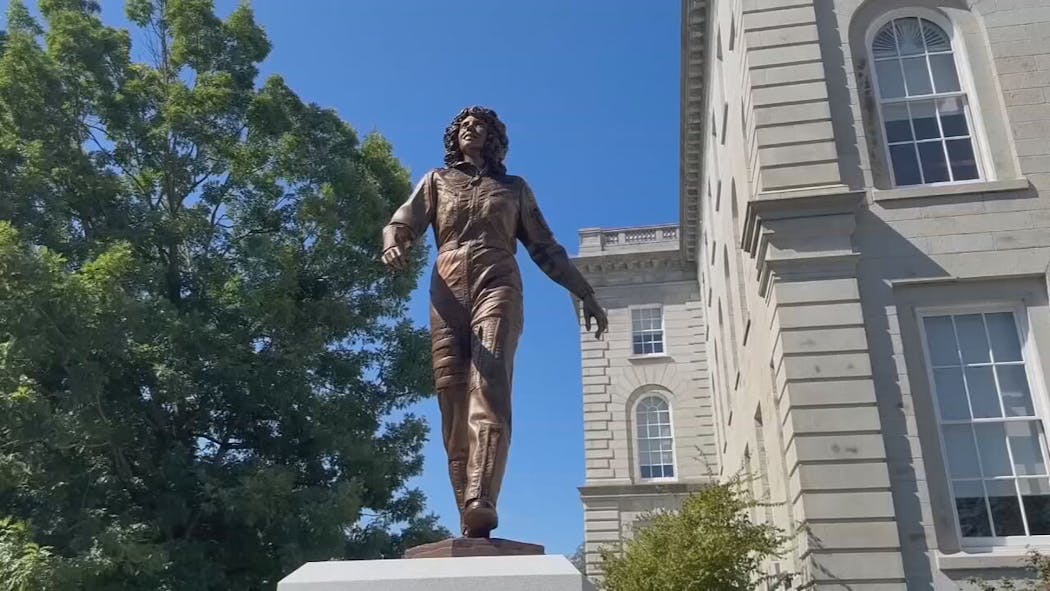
(953,117)
(891,81)
(1035,493)
(905,165)
(1027,448)
(991,441)
(936,38)
(916,76)
(898,123)
(973,513)
(972,341)
(1017,399)
(959,446)
(669,471)
(951,394)
(984,400)
(964,165)
(1005,344)
(934,166)
(655,447)
(924,118)
(945,78)
(940,338)
(885,42)
(909,36)
(1006,510)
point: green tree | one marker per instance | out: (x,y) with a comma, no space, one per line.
(24,565)
(203,367)
(579,558)
(1036,576)
(710,545)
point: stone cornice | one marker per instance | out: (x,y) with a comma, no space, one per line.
(635,268)
(815,232)
(793,204)
(640,489)
(692,121)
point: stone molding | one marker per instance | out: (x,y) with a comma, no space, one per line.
(640,489)
(696,40)
(635,268)
(807,230)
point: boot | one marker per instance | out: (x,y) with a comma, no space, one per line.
(479,512)
(479,518)
(457,472)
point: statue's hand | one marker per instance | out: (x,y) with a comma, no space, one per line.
(396,257)
(593,310)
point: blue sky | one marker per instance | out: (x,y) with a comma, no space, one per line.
(589,93)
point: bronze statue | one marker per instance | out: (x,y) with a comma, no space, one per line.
(478,213)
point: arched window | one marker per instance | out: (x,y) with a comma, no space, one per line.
(925,112)
(655,440)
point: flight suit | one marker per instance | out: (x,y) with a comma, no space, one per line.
(476,307)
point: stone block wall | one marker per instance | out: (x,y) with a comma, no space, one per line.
(836,261)
(792,300)
(643,273)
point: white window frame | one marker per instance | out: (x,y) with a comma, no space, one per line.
(1040,400)
(967,89)
(663,329)
(645,394)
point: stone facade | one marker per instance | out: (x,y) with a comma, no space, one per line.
(796,293)
(628,269)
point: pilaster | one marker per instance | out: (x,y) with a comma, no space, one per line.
(838,478)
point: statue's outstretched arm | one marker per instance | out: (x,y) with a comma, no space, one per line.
(551,257)
(409,222)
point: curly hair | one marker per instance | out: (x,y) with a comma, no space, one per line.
(496,141)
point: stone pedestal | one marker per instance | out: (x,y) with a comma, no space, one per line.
(479,573)
(467,547)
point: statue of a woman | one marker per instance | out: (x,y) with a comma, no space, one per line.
(478,213)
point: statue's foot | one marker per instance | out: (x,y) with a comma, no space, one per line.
(479,519)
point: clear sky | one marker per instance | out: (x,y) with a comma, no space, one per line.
(589,92)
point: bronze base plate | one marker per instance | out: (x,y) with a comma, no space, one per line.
(463,547)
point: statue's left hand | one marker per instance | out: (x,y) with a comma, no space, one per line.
(593,310)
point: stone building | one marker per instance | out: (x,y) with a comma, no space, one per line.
(854,306)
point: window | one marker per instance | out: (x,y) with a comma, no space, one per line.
(762,490)
(725,121)
(925,112)
(655,441)
(647,330)
(732,32)
(990,425)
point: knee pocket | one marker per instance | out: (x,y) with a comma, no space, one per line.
(491,335)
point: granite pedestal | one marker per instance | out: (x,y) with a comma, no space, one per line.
(479,573)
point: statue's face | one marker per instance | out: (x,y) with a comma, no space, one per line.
(472,134)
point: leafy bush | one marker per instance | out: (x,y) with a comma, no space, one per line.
(711,544)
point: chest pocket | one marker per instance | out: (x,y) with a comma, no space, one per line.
(500,206)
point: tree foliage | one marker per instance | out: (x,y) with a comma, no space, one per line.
(710,545)
(201,359)
(579,558)
(1036,577)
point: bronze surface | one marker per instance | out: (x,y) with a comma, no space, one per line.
(478,213)
(464,547)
